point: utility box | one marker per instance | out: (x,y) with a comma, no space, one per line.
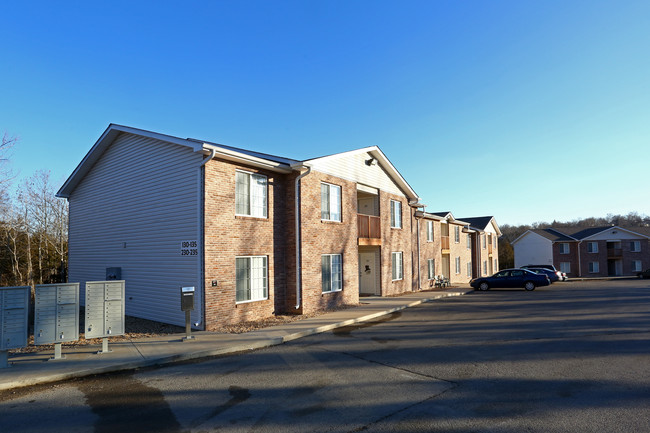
(56,313)
(104,308)
(14,313)
(113,274)
(187,298)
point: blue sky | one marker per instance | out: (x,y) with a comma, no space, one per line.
(526,110)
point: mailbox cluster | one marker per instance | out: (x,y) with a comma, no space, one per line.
(56,314)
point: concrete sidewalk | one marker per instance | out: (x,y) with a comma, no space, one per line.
(35,368)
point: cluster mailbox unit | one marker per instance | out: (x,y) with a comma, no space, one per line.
(56,315)
(104,310)
(14,315)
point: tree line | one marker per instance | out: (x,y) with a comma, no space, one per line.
(511,232)
(33,227)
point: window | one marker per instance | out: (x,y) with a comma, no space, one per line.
(332,272)
(636,266)
(330,202)
(635,246)
(484,267)
(457,234)
(398,269)
(565,267)
(469,242)
(429,231)
(396,214)
(457,265)
(431,269)
(564,248)
(469,269)
(594,267)
(251,278)
(495,241)
(483,238)
(250,194)
(495,265)
(592,247)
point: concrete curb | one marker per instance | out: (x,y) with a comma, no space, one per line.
(262,343)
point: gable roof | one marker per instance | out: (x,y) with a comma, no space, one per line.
(376,153)
(550,234)
(481,223)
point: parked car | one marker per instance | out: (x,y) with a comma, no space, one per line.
(553,276)
(561,275)
(511,278)
(644,274)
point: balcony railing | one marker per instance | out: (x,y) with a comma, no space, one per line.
(614,252)
(369,226)
(444,242)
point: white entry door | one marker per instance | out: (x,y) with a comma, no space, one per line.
(368,272)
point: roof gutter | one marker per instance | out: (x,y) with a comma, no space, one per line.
(298,240)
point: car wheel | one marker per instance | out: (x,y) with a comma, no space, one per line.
(529,285)
(484,286)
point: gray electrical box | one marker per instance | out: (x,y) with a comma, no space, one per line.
(56,313)
(104,308)
(14,312)
(113,274)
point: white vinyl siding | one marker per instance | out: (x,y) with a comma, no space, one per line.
(251,278)
(250,194)
(332,273)
(133,211)
(592,247)
(395,214)
(397,266)
(565,267)
(431,269)
(564,248)
(635,246)
(594,268)
(330,202)
(429,231)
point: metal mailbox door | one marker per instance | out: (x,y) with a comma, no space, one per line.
(14,311)
(104,308)
(56,313)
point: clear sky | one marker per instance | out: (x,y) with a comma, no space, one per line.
(526,110)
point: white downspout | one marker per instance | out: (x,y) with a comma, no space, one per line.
(579,261)
(200,229)
(298,243)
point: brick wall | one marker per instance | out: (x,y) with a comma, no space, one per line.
(572,258)
(227,236)
(327,237)
(396,240)
(428,250)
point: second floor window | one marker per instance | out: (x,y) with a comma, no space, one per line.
(330,202)
(635,246)
(395,214)
(564,248)
(469,242)
(250,194)
(429,231)
(457,234)
(592,247)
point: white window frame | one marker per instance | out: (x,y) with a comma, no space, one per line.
(483,238)
(330,204)
(469,269)
(258,271)
(456,234)
(256,203)
(431,269)
(637,266)
(332,268)
(395,214)
(592,247)
(565,248)
(469,241)
(429,231)
(457,265)
(565,267)
(397,266)
(594,267)
(635,246)
(484,267)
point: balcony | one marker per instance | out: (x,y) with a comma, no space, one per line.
(614,252)
(444,242)
(369,229)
